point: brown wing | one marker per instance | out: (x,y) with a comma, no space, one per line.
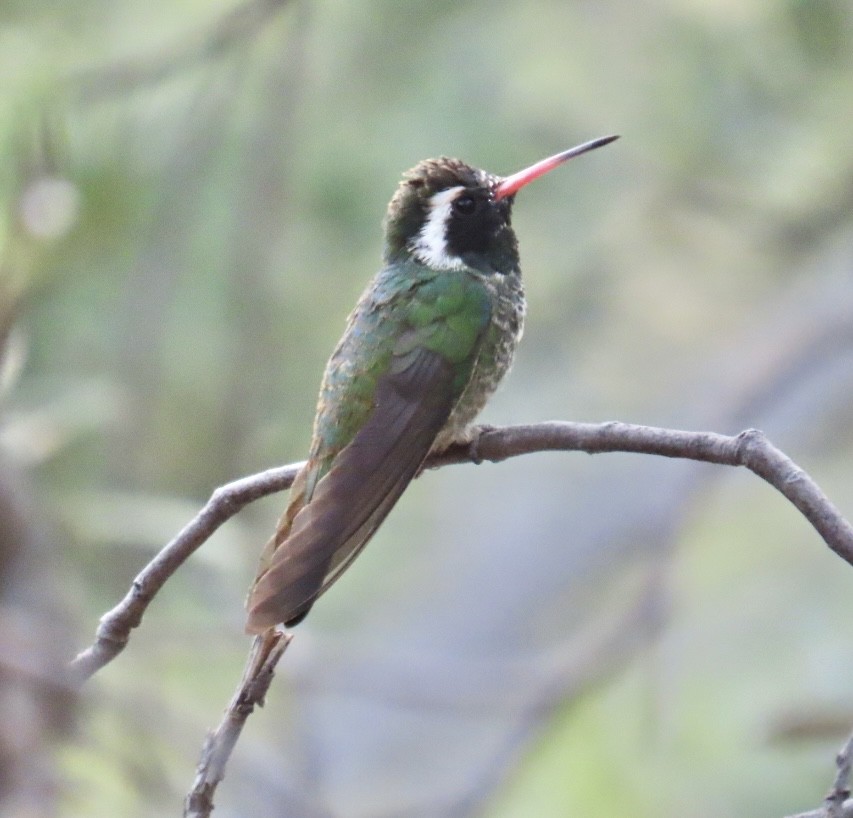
(413,402)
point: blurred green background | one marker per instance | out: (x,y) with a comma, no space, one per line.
(191,197)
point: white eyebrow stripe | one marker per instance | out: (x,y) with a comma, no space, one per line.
(430,245)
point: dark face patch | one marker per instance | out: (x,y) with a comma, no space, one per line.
(478,229)
(477,225)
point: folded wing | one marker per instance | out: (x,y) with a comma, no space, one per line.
(412,403)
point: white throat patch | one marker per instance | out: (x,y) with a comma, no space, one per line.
(430,245)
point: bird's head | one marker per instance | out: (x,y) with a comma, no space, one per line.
(448,215)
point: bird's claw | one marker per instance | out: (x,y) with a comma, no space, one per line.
(474,442)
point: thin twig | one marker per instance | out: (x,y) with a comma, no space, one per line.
(840,792)
(267,649)
(750,449)
(837,803)
(822,812)
(115,626)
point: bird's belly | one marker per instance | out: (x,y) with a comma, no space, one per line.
(492,364)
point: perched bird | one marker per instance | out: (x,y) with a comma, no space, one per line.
(424,349)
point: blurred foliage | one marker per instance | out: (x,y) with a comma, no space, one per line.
(191,202)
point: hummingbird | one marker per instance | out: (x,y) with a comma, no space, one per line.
(424,349)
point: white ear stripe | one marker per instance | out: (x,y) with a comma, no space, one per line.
(430,245)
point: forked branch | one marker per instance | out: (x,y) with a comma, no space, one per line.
(750,449)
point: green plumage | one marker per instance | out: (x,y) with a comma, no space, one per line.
(406,307)
(432,339)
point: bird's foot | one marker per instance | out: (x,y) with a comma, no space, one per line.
(473,438)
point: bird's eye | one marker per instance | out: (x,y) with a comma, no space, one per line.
(464,205)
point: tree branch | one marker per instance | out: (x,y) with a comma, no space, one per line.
(837,803)
(115,625)
(260,669)
(750,449)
